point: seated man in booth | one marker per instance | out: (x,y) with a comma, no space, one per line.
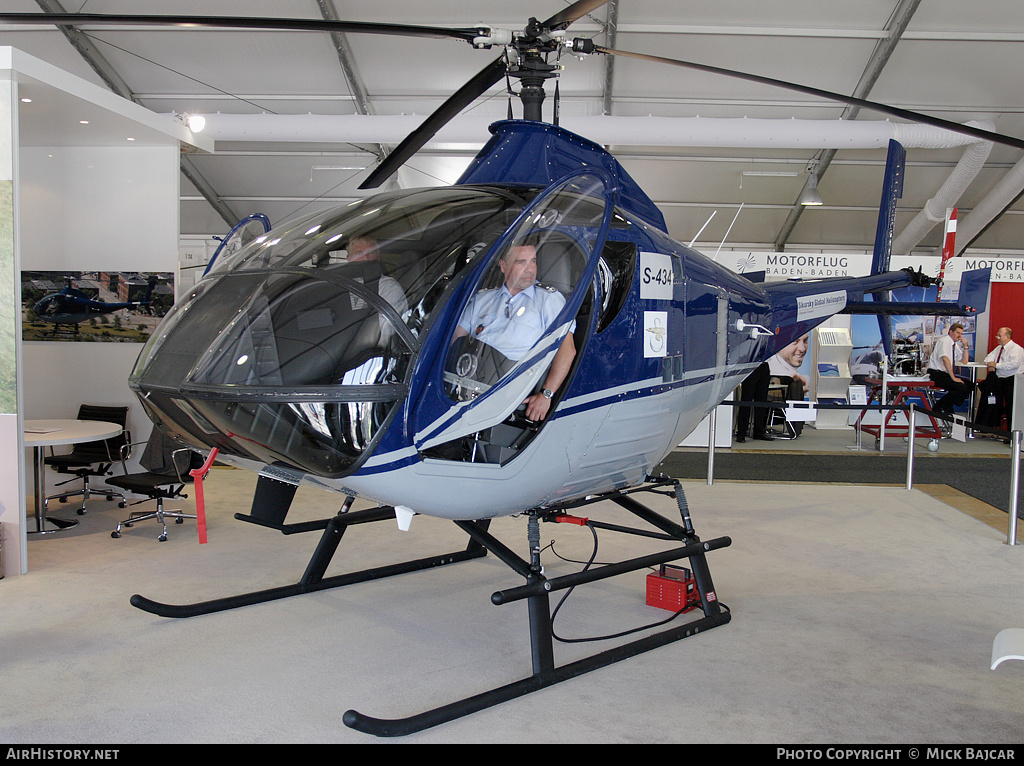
(946,355)
(1003,363)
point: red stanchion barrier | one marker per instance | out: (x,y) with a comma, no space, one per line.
(199,474)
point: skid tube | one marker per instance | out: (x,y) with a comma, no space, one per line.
(537,591)
(313,578)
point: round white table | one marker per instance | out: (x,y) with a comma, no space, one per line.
(40,434)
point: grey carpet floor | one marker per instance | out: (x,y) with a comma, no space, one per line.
(859,615)
(985,478)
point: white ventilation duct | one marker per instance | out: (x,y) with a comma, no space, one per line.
(606,130)
(670,131)
(1002,194)
(947,196)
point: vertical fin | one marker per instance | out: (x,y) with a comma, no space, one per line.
(892,190)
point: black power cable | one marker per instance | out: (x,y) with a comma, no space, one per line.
(568,591)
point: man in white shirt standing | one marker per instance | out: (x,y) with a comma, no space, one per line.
(941,369)
(1003,362)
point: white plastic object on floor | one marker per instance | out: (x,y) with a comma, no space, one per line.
(1008,645)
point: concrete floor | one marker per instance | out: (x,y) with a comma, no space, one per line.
(860,614)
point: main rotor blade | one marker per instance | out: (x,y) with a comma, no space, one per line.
(906,114)
(567,16)
(463,97)
(237,22)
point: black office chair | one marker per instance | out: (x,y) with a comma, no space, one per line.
(167,465)
(782,389)
(91,458)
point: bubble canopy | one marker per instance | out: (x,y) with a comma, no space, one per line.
(298,347)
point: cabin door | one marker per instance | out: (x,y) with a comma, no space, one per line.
(503,351)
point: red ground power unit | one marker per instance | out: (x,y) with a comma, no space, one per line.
(672,588)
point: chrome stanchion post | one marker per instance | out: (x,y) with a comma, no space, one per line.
(1011,534)
(911,417)
(883,400)
(712,416)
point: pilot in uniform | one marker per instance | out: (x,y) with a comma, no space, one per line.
(512,323)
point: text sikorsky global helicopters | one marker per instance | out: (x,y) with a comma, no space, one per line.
(298,360)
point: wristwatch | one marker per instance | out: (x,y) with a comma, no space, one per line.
(547,393)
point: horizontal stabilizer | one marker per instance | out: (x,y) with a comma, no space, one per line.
(973,299)
(922,308)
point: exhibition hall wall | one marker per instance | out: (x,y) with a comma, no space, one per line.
(11,542)
(103,209)
(96,200)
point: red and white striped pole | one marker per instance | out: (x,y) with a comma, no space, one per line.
(948,244)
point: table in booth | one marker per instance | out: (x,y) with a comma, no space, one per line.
(905,391)
(40,434)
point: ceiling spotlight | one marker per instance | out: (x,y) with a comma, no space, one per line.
(194,122)
(810,194)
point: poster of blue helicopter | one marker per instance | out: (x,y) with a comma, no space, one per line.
(93,306)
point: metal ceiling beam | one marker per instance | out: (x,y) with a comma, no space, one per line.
(897,25)
(95,59)
(348,68)
(611,30)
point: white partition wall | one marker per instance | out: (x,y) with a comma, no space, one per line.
(12,494)
(95,185)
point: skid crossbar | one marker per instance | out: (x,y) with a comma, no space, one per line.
(536,592)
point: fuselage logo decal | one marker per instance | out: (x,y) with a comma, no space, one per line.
(821,305)
(655,332)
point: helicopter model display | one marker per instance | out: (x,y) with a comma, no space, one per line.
(72,306)
(292,359)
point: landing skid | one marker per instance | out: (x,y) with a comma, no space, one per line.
(536,592)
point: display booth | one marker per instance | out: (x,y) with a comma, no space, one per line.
(848,348)
(89,181)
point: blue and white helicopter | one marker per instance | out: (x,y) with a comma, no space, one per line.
(294,359)
(72,306)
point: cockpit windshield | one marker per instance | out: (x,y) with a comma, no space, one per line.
(420,239)
(299,345)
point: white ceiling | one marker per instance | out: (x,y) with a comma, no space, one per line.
(954,60)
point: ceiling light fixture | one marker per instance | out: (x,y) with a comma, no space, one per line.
(810,196)
(194,122)
(768,174)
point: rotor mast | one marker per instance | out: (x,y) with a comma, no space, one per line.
(530,50)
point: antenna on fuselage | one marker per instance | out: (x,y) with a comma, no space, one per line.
(703,227)
(727,231)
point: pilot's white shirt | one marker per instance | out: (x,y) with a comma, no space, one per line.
(515,331)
